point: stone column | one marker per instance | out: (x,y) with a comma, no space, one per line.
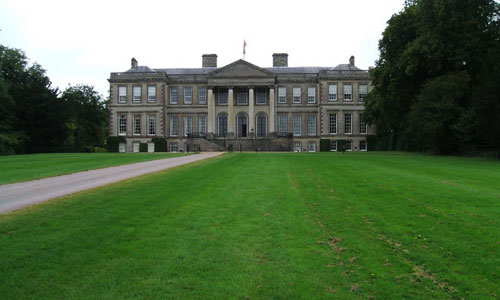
(251,111)
(230,114)
(211,113)
(271,111)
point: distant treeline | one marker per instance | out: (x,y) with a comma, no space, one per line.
(437,80)
(35,117)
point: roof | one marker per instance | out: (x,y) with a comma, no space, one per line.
(140,69)
(186,71)
(296,70)
(345,67)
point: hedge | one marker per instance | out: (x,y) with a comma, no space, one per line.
(371,140)
(160,144)
(143,147)
(340,145)
(113,142)
(324,145)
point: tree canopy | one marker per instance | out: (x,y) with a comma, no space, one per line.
(435,83)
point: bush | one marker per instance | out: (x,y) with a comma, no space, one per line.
(340,145)
(371,140)
(160,144)
(143,147)
(324,145)
(113,142)
(99,150)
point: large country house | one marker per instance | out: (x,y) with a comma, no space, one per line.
(241,107)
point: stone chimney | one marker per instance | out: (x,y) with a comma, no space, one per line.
(133,63)
(209,60)
(280,60)
(351,61)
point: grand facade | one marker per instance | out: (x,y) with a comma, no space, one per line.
(240,107)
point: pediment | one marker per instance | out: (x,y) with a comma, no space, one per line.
(240,68)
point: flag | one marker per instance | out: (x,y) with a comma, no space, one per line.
(244,46)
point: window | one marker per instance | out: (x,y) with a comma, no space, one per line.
(122,94)
(297,125)
(188,126)
(332,92)
(261,125)
(188,95)
(363,90)
(151,147)
(174,147)
(202,125)
(137,124)
(362,125)
(362,145)
(122,147)
(347,92)
(151,124)
(311,124)
(348,145)
(122,125)
(297,146)
(261,96)
(333,145)
(242,121)
(136,147)
(174,95)
(347,123)
(242,97)
(137,94)
(223,125)
(311,95)
(223,95)
(283,124)
(282,95)
(333,124)
(311,146)
(296,95)
(202,96)
(174,126)
(151,93)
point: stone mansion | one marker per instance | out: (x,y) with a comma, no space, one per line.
(240,106)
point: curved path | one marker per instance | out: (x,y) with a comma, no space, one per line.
(18,195)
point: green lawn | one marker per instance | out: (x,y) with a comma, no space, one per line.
(15,168)
(267,226)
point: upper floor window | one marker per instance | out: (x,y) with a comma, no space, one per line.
(188,95)
(261,96)
(347,123)
(282,95)
(174,126)
(363,90)
(151,124)
(311,95)
(151,93)
(174,95)
(242,96)
(122,124)
(137,94)
(333,124)
(311,124)
(332,92)
(222,97)
(347,92)
(137,124)
(362,125)
(122,94)
(202,96)
(297,125)
(297,95)
(188,125)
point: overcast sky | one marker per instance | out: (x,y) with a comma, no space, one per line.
(83,41)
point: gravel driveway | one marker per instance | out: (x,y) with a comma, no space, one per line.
(18,195)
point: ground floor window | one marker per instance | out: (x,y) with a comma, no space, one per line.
(261,125)
(222,125)
(174,147)
(333,145)
(348,145)
(151,147)
(136,147)
(121,147)
(311,146)
(362,145)
(297,146)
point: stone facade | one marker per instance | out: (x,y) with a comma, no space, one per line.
(240,106)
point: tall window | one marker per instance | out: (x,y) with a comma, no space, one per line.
(151,124)
(174,126)
(137,124)
(311,124)
(311,95)
(297,125)
(261,97)
(261,125)
(297,95)
(122,124)
(122,94)
(174,95)
(137,94)
(242,125)
(202,124)
(283,124)
(347,123)
(223,125)
(188,126)
(188,95)
(242,96)
(332,92)
(333,124)
(363,90)
(362,125)
(152,93)
(347,92)
(362,145)
(202,96)
(282,95)
(223,95)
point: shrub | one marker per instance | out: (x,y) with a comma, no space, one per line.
(324,145)
(160,144)
(371,140)
(340,145)
(113,142)
(99,150)
(143,147)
